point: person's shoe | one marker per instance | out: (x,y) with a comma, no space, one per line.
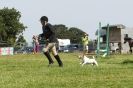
(48,57)
(60,65)
(59,61)
(50,64)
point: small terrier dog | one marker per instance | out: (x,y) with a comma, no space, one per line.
(86,60)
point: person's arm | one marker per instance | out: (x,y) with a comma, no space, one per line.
(33,39)
(52,36)
(86,37)
(40,35)
(51,28)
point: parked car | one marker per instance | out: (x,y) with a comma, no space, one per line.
(73,48)
(29,49)
(24,50)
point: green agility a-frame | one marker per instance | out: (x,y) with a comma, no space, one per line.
(106,50)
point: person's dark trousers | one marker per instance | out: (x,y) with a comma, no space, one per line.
(49,57)
(58,60)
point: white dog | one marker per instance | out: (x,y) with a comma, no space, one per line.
(86,60)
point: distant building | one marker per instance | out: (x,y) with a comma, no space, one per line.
(116,37)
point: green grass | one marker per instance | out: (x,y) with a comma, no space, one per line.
(31,71)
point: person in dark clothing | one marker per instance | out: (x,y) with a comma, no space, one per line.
(49,35)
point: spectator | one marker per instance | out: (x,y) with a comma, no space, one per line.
(35,44)
(85,42)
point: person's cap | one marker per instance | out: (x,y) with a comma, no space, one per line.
(44,18)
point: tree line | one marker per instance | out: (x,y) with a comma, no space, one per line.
(73,33)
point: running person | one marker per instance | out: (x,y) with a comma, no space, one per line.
(49,35)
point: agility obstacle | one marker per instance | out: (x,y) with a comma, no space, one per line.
(105,51)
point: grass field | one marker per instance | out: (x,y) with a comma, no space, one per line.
(31,71)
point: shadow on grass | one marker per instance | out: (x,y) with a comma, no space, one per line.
(127,62)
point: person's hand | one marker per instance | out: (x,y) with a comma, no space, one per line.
(47,40)
(39,37)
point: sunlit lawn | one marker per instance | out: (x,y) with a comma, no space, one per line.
(31,71)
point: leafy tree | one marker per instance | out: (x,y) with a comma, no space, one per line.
(75,35)
(63,32)
(10,26)
(20,42)
(21,39)
(2,31)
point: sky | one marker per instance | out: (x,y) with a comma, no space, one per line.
(83,14)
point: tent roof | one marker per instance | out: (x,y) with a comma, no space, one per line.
(116,26)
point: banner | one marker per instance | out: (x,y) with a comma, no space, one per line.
(6,51)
